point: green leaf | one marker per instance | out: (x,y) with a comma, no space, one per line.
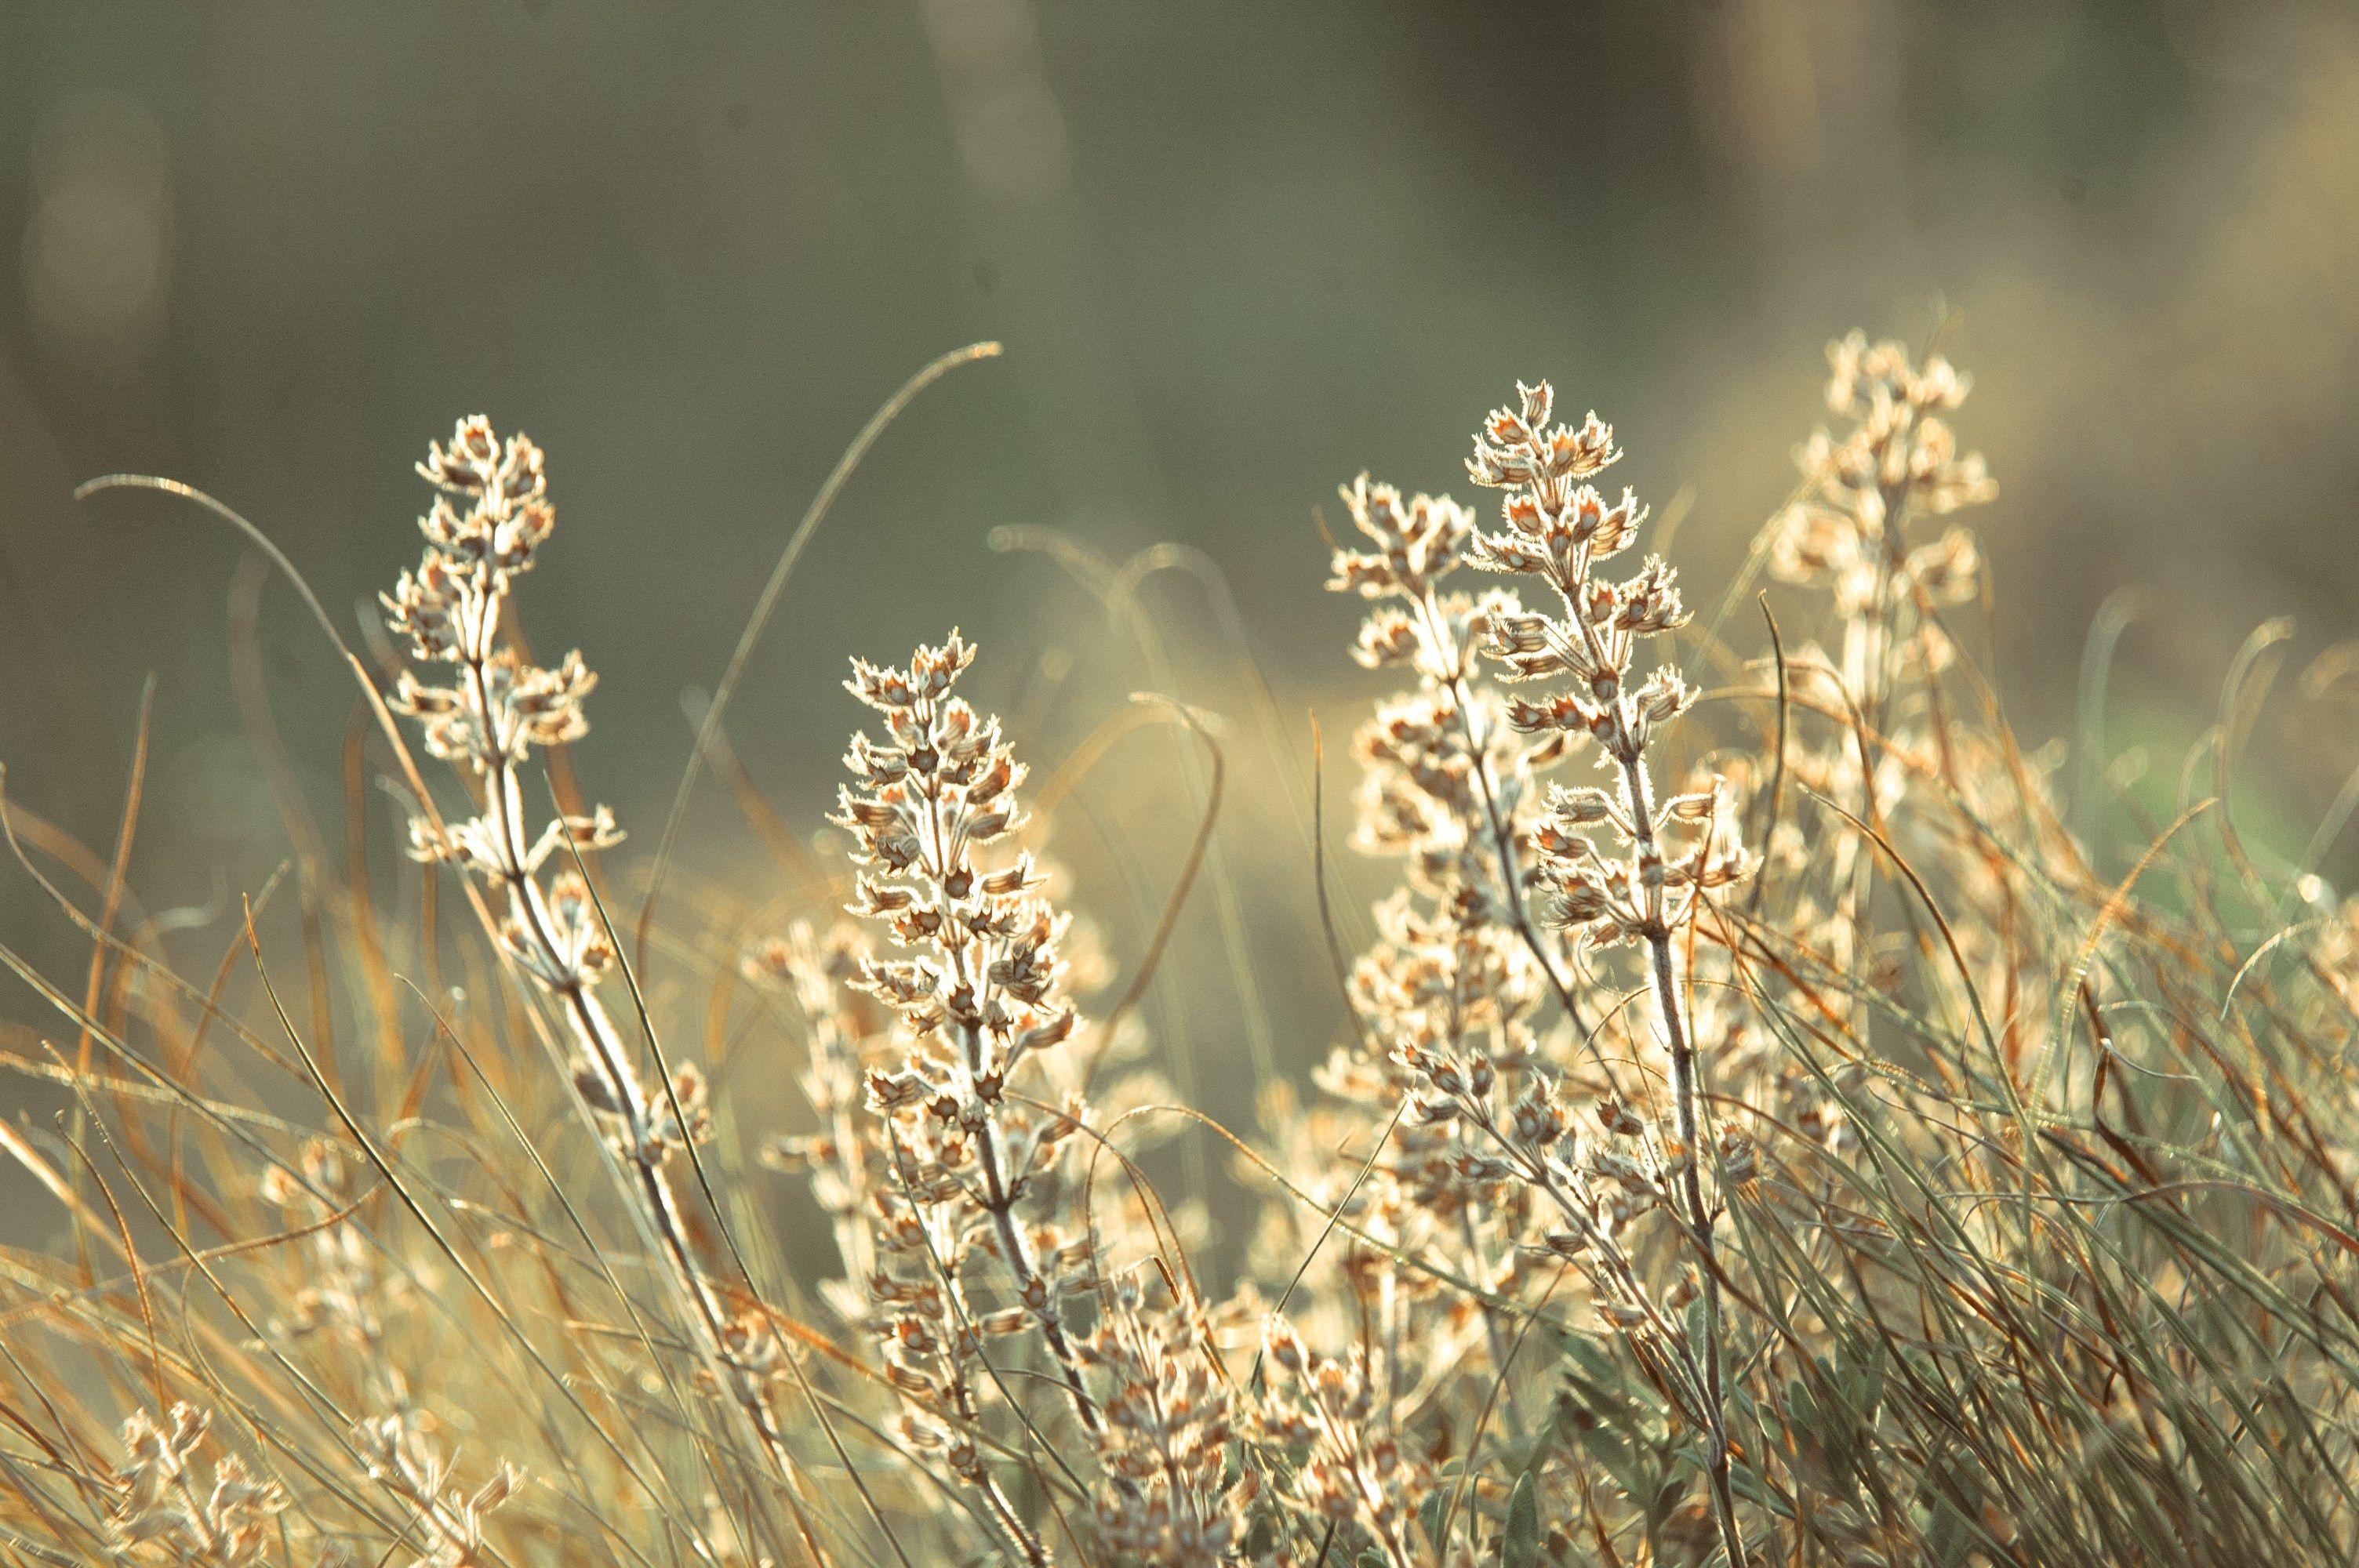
(1612,1454)
(1520,1546)
(1431,1516)
(1372,1558)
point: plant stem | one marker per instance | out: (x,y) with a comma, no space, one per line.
(609,1059)
(998,1196)
(1686,1095)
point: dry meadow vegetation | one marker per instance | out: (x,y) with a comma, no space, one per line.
(1768,1126)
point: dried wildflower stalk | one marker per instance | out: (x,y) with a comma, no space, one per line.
(1448,788)
(891,1230)
(1851,534)
(341,1293)
(1559,530)
(978,996)
(985,977)
(1849,530)
(490,514)
(948,1172)
(847,1171)
(1449,993)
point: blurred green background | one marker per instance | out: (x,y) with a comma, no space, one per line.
(1236,252)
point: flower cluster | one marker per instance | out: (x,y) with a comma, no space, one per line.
(1848,529)
(1647,892)
(490,513)
(887,1233)
(1353,1469)
(848,1172)
(1851,534)
(1164,1499)
(1458,971)
(1559,530)
(342,1291)
(945,1074)
(1579,1183)
(978,989)
(1447,786)
(406,1464)
(157,1500)
(1445,781)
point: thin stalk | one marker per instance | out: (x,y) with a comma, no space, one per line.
(1686,1095)
(1663,975)
(609,1058)
(1503,839)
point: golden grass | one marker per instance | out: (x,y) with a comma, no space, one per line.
(1765,1128)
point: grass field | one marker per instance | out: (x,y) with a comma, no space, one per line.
(1762,1110)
